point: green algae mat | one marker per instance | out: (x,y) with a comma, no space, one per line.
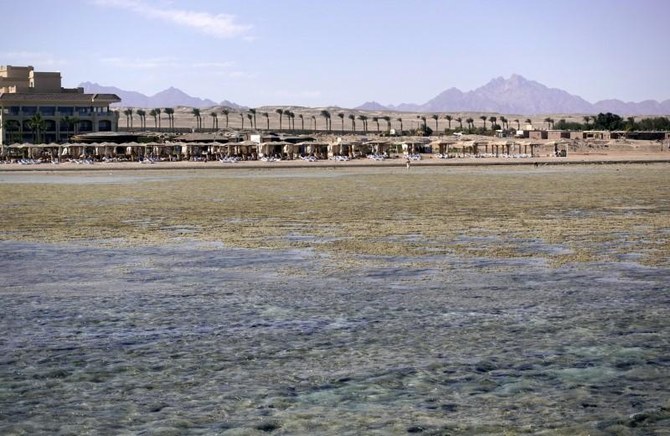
(560,213)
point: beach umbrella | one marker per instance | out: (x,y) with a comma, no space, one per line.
(229,146)
(442,145)
(240,148)
(335,149)
(270,147)
(379,146)
(313,147)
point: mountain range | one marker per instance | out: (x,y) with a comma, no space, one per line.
(515,95)
(518,95)
(171,97)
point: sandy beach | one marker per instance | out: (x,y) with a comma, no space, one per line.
(426,160)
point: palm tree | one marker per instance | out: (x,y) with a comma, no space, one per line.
(170,113)
(459,120)
(158,113)
(376,120)
(587,118)
(548,121)
(154,114)
(143,118)
(448,118)
(225,112)
(326,115)
(423,118)
(75,124)
(250,117)
(471,123)
(483,118)
(37,125)
(253,112)
(493,122)
(287,115)
(435,117)
(314,123)
(302,122)
(290,116)
(13,126)
(129,117)
(400,121)
(267,119)
(388,122)
(215,120)
(66,121)
(196,114)
(352,117)
(242,117)
(529,122)
(503,121)
(340,115)
(281,114)
(364,119)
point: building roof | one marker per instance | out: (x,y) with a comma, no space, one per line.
(64,98)
(114,137)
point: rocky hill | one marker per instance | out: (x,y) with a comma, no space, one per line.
(171,97)
(518,95)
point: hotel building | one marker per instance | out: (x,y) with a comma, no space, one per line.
(29,98)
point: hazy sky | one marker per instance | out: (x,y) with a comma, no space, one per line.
(344,52)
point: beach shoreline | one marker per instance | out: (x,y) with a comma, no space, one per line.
(426,161)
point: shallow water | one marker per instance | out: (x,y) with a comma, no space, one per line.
(200,338)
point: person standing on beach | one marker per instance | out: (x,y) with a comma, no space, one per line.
(407,162)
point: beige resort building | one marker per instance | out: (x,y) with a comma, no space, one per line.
(25,93)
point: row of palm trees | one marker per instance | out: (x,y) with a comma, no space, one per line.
(37,125)
(251,116)
(155,113)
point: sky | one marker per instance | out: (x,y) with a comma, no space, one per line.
(344,52)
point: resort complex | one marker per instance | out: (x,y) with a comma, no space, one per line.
(40,121)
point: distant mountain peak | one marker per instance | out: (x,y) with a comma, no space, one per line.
(170,97)
(372,106)
(517,78)
(519,95)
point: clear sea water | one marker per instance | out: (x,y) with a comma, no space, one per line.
(201,339)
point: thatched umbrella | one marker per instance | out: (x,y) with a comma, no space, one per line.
(310,147)
(442,146)
(379,146)
(240,148)
(22,147)
(230,148)
(268,148)
(458,149)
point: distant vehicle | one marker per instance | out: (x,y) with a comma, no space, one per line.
(458,134)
